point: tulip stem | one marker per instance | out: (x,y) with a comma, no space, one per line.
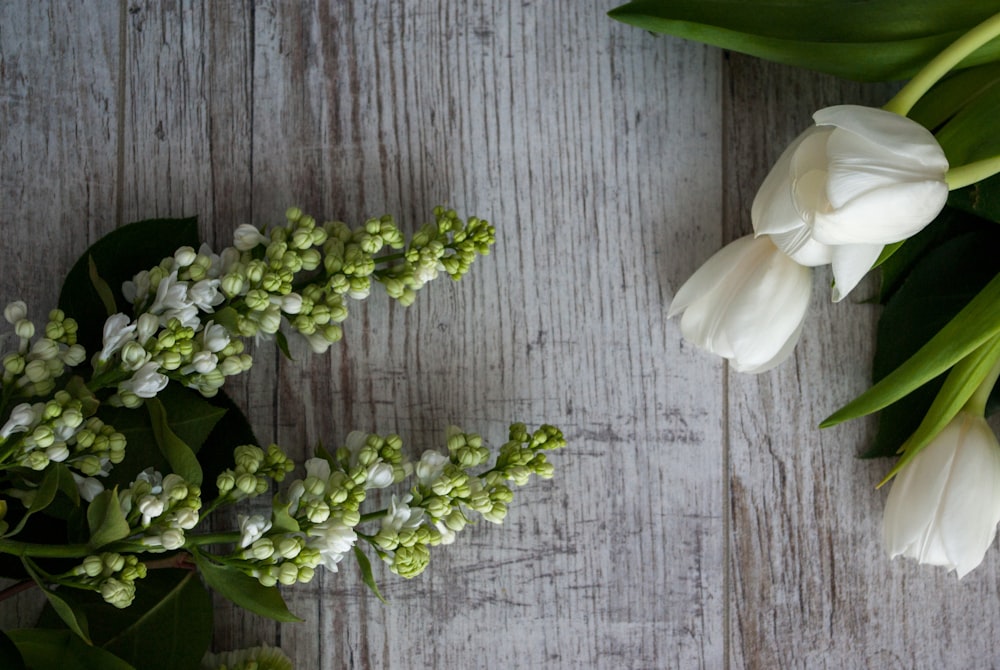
(977,403)
(966,175)
(942,64)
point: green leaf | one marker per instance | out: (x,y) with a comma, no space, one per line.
(244,590)
(937,273)
(982,199)
(191,417)
(76,621)
(282,342)
(877,40)
(10,657)
(966,137)
(974,325)
(179,455)
(366,572)
(44,649)
(953,93)
(44,495)
(101,287)
(167,626)
(118,256)
(962,382)
(105,519)
(281,519)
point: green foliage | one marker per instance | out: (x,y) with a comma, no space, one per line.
(106,520)
(74,619)
(927,284)
(878,40)
(52,649)
(117,257)
(366,572)
(168,626)
(244,590)
(179,455)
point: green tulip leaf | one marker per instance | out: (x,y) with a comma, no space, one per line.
(244,590)
(167,626)
(179,455)
(106,520)
(878,40)
(963,138)
(971,328)
(953,93)
(981,199)
(117,257)
(44,649)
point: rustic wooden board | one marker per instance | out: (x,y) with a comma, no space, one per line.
(697,519)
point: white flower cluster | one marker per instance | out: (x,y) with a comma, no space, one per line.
(31,371)
(160,508)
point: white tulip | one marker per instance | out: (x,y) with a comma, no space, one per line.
(944,505)
(747,303)
(859,179)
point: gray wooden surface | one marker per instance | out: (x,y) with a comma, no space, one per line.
(698,519)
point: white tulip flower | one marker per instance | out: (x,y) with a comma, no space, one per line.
(747,303)
(859,179)
(944,505)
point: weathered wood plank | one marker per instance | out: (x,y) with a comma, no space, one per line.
(811,586)
(564,133)
(58,160)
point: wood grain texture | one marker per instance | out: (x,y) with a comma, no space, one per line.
(697,519)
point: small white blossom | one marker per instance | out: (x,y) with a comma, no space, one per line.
(146,382)
(117,331)
(22,418)
(430,466)
(379,476)
(205,295)
(333,540)
(88,487)
(15,311)
(246,237)
(252,528)
(214,337)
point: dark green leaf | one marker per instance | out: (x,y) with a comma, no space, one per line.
(366,572)
(167,626)
(878,40)
(937,286)
(953,93)
(281,519)
(244,590)
(101,287)
(10,657)
(982,198)
(118,256)
(105,519)
(282,342)
(46,649)
(967,136)
(179,455)
(76,621)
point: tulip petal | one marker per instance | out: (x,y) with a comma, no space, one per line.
(707,277)
(773,211)
(893,133)
(850,263)
(883,216)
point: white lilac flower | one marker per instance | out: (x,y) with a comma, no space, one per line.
(430,466)
(400,515)
(246,237)
(136,290)
(15,311)
(252,528)
(146,382)
(857,180)
(146,326)
(379,475)
(88,487)
(944,505)
(171,294)
(22,418)
(118,330)
(214,337)
(333,540)
(747,303)
(205,295)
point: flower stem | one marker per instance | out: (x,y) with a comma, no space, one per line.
(965,175)
(942,64)
(977,403)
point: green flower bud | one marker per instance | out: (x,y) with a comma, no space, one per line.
(408,562)
(288,574)
(92,566)
(117,593)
